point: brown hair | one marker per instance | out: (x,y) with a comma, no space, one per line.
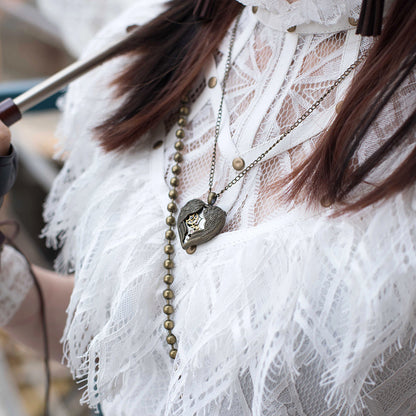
(327,174)
(167,55)
(169,52)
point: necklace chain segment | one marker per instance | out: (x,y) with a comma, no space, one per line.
(199,222)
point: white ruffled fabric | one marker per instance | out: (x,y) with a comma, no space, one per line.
(288,312)
(79,20)
(15,282)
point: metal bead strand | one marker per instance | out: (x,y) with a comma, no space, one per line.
(170,234)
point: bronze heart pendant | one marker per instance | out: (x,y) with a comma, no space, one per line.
(199,222)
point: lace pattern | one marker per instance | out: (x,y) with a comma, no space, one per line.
(15,282)
(288,312)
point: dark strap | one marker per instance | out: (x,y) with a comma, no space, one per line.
(371,18)
(8,171)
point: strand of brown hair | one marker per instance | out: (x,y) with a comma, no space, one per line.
(327,174)
(168,54)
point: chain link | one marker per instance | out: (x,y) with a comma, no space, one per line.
(219,116)
(302,118)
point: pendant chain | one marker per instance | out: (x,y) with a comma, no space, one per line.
(219,116)
(172,208)
(302,118)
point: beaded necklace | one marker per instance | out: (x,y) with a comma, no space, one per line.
(199,222)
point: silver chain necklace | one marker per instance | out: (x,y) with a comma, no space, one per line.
(199,222)
(196,212)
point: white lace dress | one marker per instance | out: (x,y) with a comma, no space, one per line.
(288,312)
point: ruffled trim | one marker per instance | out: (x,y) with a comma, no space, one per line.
(328,294)
(325,12)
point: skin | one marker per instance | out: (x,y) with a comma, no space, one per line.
(26,325)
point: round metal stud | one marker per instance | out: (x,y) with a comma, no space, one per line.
(168,279)
(172,207)
(178,158)
(291,29)
(254,9)
(171,339)
(326,202)
(238,163)
(180,133)
(172,353)
(173,194)
(338,107)
(168,309)
(352,21)
(182,122)
(169,325)
(168,264)
(179,145)
(174,181)
(169,249)
(168,294)
(191,250)
(212,82)
(157,144)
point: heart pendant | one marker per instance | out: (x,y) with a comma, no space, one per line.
(199,222)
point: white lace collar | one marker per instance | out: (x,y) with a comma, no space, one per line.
(325,12)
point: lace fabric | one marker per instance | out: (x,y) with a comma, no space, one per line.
(88,17)
(288,312)
(15,281)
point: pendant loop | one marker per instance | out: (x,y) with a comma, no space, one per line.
(212,198)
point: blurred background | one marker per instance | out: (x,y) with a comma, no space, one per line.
(37,38)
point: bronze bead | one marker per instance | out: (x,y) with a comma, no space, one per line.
(291,29)
(168,279)
(184,111)
(168,309)
(169,249)
(170,221)
(191,250)
(169,324)
(174,181)
(167,294)
(176,169)
(182,121)
(180,133)
(173,194)
(171,339)
(185,99)
(254,9)
(170,235)
(179,145)
(168,263)
(172,207)
(178,158)
(172,353)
